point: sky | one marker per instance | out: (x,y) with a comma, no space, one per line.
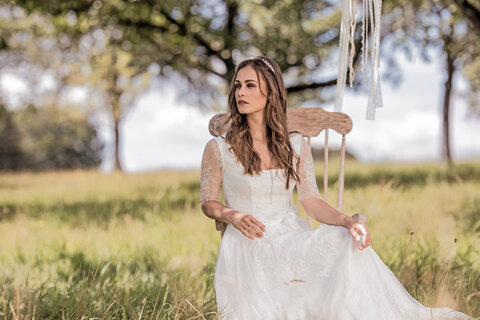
(161,132)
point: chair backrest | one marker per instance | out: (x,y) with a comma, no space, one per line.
(310,122)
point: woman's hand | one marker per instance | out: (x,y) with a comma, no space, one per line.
(248,225)
(357,227)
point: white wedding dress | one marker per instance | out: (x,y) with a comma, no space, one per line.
(294,272)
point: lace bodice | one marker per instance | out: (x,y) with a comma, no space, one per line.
(261,195)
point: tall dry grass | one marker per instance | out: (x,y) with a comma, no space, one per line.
(89,245)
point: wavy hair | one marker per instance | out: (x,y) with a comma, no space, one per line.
(275,113)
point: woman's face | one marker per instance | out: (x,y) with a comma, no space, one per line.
(248,96)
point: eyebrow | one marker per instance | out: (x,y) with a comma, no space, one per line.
(246,81)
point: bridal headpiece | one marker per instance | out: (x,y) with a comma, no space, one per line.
(264,61)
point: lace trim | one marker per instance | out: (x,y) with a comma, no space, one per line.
(211,173)
(307,186)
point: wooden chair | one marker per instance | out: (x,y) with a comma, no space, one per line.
(309,122)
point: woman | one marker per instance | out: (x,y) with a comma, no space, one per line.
(271,265)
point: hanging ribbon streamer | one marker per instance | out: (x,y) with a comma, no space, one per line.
(370,52)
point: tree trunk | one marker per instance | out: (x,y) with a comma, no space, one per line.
(118,165)
(446,155)
(116,110)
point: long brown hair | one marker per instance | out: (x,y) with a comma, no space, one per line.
(275,113)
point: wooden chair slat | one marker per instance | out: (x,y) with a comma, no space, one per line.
(215,123)
(311,121)
(308,121)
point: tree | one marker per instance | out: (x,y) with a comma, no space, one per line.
(442,25)
(471,59)
(202,41)
(94,59)
(113,78)
(57,138)
(470,11)
(11,154)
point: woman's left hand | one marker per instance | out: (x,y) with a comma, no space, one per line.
(356,229)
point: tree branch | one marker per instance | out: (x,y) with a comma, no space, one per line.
(175,58)
(232,11)
(196,36)
(470,12)
(331,82)
(183,31)
(314,85)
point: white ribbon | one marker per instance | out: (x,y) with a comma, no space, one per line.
(370,52)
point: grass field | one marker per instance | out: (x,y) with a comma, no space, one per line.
(83,244)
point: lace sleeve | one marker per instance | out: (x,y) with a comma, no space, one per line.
(211,173)
(307,186)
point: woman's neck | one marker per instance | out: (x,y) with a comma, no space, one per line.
(258,126)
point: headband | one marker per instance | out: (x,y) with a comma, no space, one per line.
(264,61)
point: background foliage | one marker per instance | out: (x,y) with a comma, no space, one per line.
(48,138)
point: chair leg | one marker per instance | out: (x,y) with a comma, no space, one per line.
(341,176)
(325,167)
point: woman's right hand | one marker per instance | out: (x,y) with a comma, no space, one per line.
(359,228)
(248,225)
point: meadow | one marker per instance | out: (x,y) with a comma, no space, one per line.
(88,245)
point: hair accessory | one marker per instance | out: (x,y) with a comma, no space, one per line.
(264,61)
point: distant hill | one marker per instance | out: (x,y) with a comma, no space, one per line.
(332,153)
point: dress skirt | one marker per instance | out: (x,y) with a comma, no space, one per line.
(294,272)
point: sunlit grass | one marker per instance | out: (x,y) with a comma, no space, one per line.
(86,244)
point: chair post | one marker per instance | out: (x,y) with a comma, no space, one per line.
(341,175)
(325,167)
(309,140)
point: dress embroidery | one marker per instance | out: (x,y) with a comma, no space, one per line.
(308,184)
(211,173)
(212,166)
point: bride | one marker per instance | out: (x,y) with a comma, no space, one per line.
(270,264)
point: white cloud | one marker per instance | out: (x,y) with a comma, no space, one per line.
(163,133)
(409,127)
(13,88)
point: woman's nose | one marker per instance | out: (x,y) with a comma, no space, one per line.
(240,92)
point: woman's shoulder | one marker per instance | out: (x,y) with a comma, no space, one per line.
(212,145)
(216,144)
(220,140)
(296,138)
(295,135)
